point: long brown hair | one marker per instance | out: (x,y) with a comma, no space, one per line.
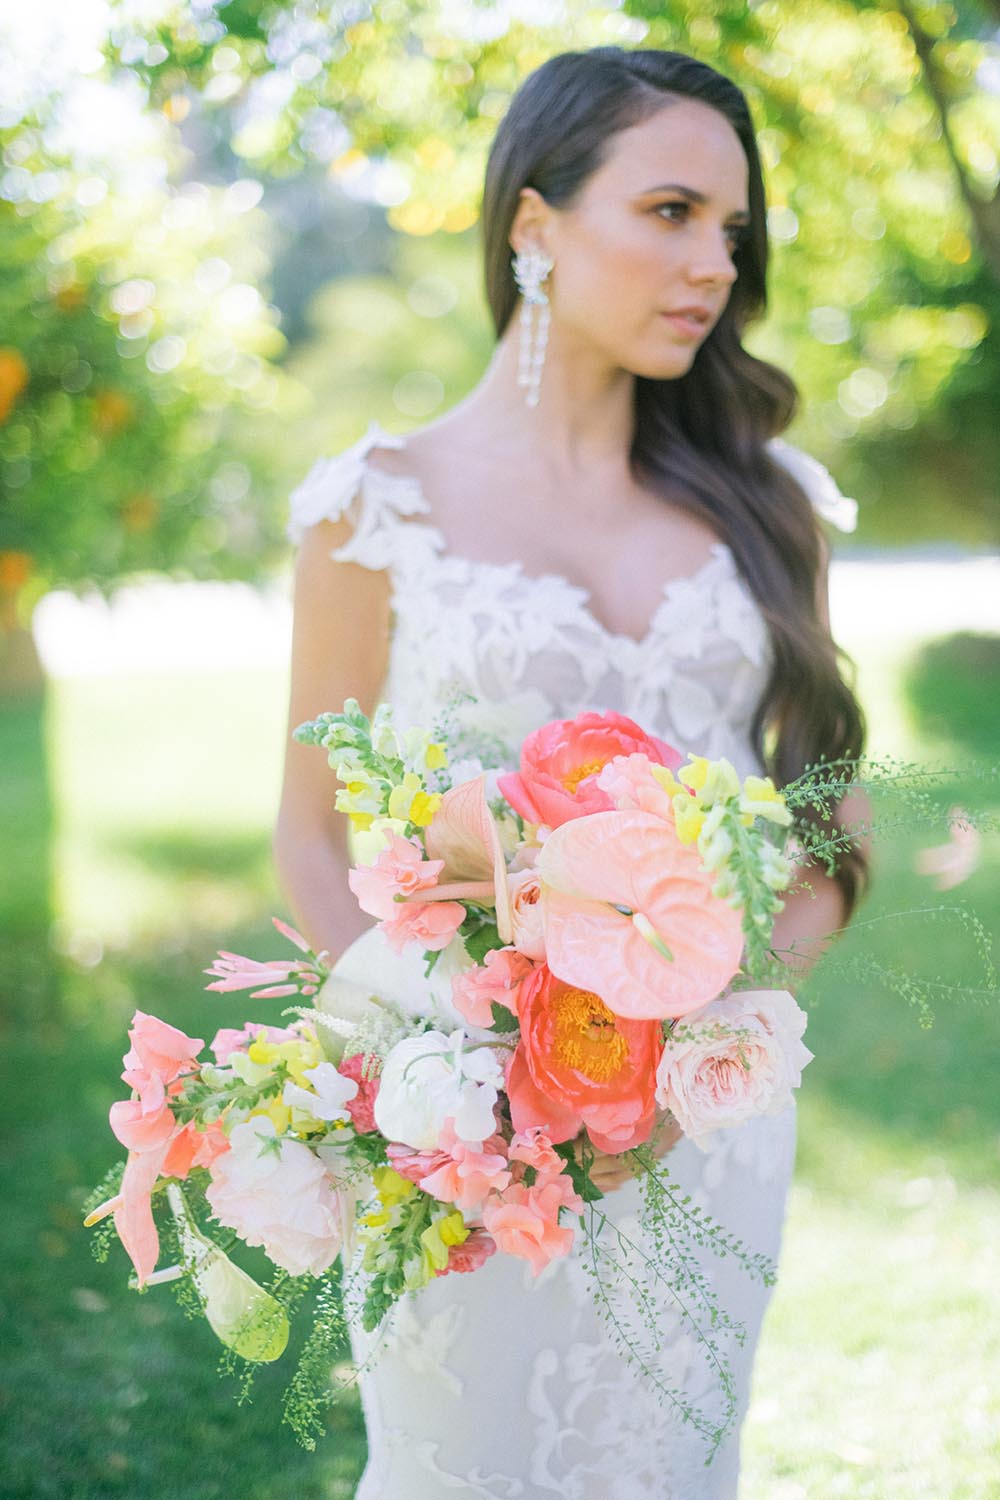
(699,438)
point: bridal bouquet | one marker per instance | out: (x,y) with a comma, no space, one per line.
(585,929)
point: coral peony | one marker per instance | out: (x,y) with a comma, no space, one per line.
(577,1063)
(560,764)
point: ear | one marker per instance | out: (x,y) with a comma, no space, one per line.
(529,226)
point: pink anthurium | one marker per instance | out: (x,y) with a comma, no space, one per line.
(464,834)
(630,913)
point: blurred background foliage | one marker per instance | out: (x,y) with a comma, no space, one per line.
(197,219)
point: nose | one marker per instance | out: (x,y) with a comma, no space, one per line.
(714,261)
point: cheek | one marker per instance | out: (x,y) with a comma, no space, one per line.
(610,267)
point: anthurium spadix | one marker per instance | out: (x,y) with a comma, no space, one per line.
(630,914)
(247,1319)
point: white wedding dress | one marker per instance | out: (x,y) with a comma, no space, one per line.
(499,1384)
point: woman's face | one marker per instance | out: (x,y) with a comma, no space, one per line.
(630,249)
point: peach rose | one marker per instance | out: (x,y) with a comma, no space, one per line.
(738,1058)
(526,913)
(560,764)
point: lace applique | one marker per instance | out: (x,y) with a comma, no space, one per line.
(819,484)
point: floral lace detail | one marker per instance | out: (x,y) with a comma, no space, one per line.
(501,1385)
(527,646)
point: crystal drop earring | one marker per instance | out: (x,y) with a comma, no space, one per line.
(530,269)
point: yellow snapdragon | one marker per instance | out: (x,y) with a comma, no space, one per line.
(411,802)
(438,1237)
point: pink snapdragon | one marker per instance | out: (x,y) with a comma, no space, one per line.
(399,871)
(228,1039)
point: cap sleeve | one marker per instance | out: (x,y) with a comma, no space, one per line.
(374,501)
(819,484)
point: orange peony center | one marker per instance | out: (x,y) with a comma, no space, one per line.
(587,1036)
(589,768)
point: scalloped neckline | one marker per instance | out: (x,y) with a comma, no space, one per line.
(582,595)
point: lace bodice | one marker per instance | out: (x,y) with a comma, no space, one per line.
(528,647)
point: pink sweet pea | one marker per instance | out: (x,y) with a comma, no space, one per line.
(497,981)
(470,1171)
(632,787)
(629,912)
(534,1148)
(524,1221)
(400,870)
(560,764)
(432,924)
(159,1050)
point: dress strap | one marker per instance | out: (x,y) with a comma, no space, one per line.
(819,484)
(376,502)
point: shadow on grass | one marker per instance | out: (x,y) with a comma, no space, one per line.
(953,687)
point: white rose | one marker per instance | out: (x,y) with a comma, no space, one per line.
(737,1058)
(428,1078)
(276,1193)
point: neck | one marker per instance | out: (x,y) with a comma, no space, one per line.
(584,419)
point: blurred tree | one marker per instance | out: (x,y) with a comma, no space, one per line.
(880,129)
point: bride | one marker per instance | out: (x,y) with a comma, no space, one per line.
(608,521)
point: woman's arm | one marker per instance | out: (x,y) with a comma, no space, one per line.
(340,647)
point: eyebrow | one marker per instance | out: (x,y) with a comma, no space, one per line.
(695,197)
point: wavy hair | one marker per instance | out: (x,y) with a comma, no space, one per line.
(698,438)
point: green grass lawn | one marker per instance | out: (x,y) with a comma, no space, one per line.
(144,847)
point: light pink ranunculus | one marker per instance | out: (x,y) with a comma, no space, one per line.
(276,1193)
(744,1058)
(561,762)
(632,787)
(496,981)
(431,924)
(526,914)
(524,1221)
(400,870)
(629,912)
(469,1173)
